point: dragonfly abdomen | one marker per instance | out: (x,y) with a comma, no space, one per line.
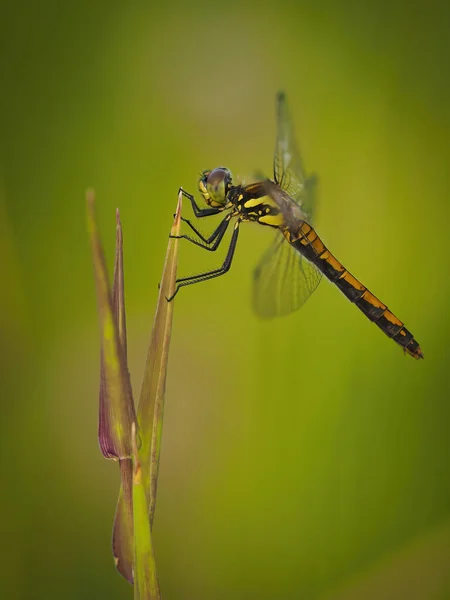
(309,244)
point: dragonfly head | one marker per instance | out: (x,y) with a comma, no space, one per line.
(215,185)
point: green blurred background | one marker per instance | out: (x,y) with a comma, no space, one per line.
(302,458)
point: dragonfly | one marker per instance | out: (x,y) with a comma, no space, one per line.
(293,266)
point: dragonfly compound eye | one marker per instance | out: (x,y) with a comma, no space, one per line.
(217,185)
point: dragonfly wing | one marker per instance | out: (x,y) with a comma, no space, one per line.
(283,280)
(288,169)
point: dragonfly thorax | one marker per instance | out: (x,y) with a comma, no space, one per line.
(215,185)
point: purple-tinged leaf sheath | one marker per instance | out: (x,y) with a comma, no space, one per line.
(116,410)
(123,536)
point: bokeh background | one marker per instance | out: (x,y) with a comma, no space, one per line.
(304,457)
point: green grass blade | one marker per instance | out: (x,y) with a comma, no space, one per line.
(151,400)
(116,413)
(146,585)
(154,383)
(123,530)
(118,292)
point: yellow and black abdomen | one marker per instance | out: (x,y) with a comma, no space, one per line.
(309,244)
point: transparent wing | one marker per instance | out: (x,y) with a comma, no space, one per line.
(288,169)
(283,280)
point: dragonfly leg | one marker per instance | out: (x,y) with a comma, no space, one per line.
(210,274)
(216,236)
(200,212)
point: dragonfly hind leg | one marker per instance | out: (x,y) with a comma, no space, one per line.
(215,272)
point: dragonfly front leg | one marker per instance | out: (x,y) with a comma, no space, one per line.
(210,274)
(200,212)
(216,236)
